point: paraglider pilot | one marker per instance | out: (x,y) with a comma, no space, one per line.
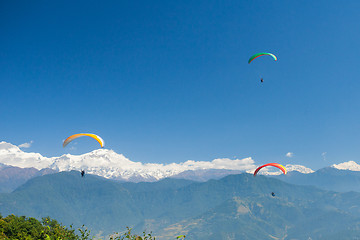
(82,173)
(273,194)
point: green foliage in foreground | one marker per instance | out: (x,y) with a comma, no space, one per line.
(24,228)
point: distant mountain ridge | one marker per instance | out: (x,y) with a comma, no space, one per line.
(109,164)
(13,177)
(329,178)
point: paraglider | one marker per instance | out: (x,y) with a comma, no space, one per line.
(281,167)
(82,173)
(273,194)
(261,54)
(72,137)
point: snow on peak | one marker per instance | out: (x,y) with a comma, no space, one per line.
(109,164)
(12,155)
(4,146)
(276,171)
(299,168)
(350,165)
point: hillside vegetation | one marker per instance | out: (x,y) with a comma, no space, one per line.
(13,227)
(24,228)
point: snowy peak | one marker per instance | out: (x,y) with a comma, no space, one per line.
(276,171)
(96,158)
(298,168)
(12,155)
(350,165)
(109,164)
(4,146)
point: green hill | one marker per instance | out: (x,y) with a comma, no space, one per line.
(234,207)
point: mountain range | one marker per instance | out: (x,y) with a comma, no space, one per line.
(220,199)
(18,166)
(238,206)
(109,164)
(328,178)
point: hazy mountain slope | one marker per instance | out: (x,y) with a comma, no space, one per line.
(205,174)
(71,199)
(233,219)
(163,184)
(234,207)
(13,177)
(297,204)
(264,217)
(326,178)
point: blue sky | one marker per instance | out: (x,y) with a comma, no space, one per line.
(168,81)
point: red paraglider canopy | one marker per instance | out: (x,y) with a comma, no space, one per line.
(281,167)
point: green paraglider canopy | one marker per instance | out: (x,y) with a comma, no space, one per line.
(261,54)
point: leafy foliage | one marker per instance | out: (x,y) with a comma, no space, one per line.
(25,228)
(14,227)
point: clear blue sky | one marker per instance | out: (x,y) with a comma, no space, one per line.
(168,81)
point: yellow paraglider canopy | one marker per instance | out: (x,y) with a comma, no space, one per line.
(94,136)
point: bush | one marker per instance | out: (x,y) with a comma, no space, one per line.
(24,228)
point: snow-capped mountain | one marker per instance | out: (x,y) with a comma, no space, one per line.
(276,171)
(298,168)
(109,164)
(350,165)
(13,156)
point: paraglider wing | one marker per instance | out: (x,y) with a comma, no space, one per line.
(72,137)
(261,54)
(281,167)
